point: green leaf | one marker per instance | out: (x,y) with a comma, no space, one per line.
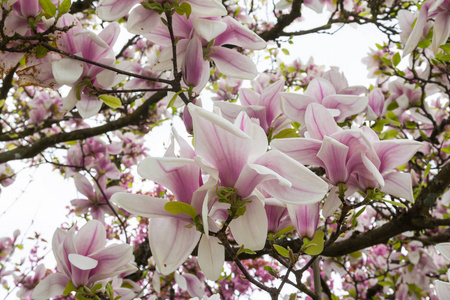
(2,102)
(286,133)
(445,47)
(177,207)
(111,101)
(41,52)
(245,250)
(64,7)
(285,51)
(281,250)
(394,203)
(396,59)
(284,231)
(97,287)
(48,7)
(315,246)
(424,44)
(186,8)
(386,61)
(69,288)
(392,106)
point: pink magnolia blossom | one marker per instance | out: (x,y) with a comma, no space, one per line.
(305,218)
(204,38)
(342,102)
(28,283)
(264,106)
(171,237)
(440,11)
(236,156)
(355,157)
(95,203)
(83,259)
(443,288)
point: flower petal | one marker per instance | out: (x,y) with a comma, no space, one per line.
(82,262)
(171,243)
(306,186)
(62,75)
(90,238)
(398,185)
(231,63)
(211,256)
(244,230)
(53,285)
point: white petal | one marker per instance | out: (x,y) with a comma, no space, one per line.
(67,70)
(82,262)
(211,256)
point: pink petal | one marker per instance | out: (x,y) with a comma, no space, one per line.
(112,260)
(441,30)
(244,230)
(348,105)
(180,175)
(171,243)
(303,150)
(145,206)
(319,88)
(220,144)
(398,185)
(53,285)
(239,35)
(231,63)
(334,156)
(305,218)
(320,122)
(194,285)
(142,20)
(83,185)
(194,65)
(211,257)
(306,186)
(294,106)
(88,107)
(111,10)
(417,32)
(90,238)
(394,153)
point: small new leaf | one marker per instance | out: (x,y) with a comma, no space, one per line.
(69,288)
(315,246)
(396,59)
(281,250)
(41,52)
(64,7)
(177,207)
(111,101)
(48,7)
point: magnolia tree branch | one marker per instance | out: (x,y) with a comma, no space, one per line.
(24,152)
(417,218)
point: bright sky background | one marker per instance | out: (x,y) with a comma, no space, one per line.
(37,199)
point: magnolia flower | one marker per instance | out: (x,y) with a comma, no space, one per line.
(83,259)
(201,40)
(354,157)
(264,106)
(172,236)
(342,103)
(440,11)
